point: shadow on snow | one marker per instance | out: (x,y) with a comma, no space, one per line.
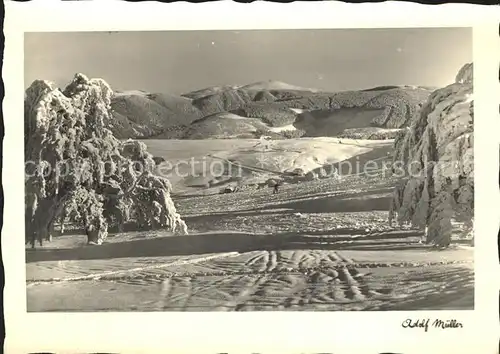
(220,242)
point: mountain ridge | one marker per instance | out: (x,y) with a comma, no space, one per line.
(143,115)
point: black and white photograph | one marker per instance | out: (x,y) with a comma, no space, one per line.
(249,170)
(250,178)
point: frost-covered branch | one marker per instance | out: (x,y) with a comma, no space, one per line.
(438,146)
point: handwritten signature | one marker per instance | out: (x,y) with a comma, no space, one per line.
(426,323)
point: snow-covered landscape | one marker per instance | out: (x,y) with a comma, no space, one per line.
(249,197)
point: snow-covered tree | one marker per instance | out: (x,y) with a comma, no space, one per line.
(436,152)
(77,169)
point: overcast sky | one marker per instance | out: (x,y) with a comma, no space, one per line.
(179,62)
